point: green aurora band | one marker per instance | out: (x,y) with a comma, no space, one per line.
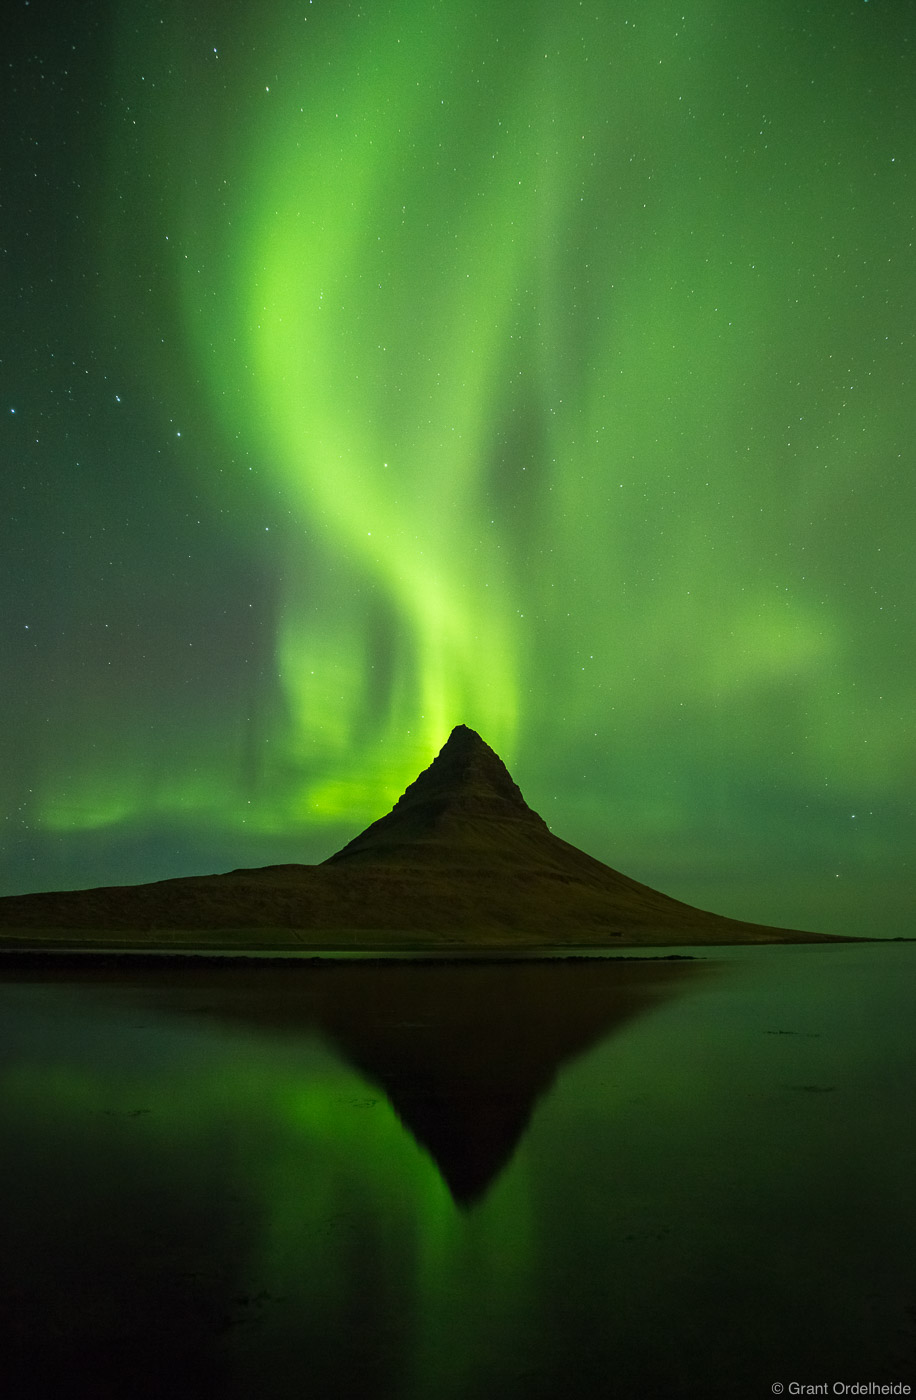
(570,347)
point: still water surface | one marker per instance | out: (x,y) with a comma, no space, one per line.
(538,1180)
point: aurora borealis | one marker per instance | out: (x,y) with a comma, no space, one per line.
(371,369)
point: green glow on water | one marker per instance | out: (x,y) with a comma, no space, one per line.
(722,1173)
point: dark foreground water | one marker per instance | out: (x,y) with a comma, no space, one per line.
(567,1180)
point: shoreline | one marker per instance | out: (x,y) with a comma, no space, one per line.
(71,955)
(72,959)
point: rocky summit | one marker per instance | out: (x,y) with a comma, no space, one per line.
(460,863)
(466,796)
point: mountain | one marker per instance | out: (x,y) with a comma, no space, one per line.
(460,862)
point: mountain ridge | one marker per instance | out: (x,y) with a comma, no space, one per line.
(460,863)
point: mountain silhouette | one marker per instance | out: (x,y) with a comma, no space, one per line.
(460,863)
(464,799)
(463,1076)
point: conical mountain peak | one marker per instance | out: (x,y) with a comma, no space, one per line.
(461,861)
(465,767)
(466,783)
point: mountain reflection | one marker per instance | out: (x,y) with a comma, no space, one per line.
(463,1052)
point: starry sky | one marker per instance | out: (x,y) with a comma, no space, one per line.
(370,368)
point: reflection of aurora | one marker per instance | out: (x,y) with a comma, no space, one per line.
(329,1229)
(568,354)
(197,1196)
(463,1078)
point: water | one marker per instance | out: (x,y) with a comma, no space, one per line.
(588,1179)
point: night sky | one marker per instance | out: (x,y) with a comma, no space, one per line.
(369,369)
